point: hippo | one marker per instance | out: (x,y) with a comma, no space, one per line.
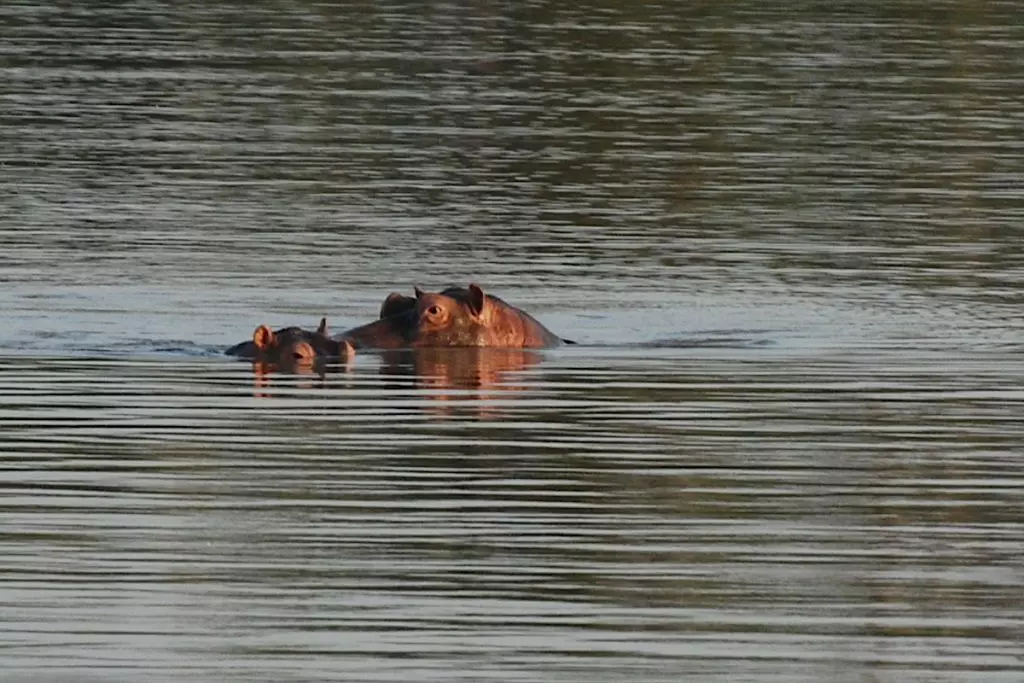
(457,316)
(291,346)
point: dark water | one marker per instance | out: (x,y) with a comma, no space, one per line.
(789,447)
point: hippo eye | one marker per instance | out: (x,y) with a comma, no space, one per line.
(434,310)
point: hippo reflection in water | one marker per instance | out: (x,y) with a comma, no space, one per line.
(462,380)
(455,317)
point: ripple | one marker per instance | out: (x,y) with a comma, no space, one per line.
(785,449)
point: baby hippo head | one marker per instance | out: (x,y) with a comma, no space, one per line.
(294,346)
(287,346)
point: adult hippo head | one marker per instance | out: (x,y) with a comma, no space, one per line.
(458,316)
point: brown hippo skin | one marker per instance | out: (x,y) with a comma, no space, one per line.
(455,317)
(291,346)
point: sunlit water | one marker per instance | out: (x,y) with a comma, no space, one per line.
(789,446)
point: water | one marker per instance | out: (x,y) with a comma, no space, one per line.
(787,447)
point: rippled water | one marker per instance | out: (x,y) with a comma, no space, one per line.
(787,448)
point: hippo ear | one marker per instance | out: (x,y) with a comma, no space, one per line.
(263,337)
(419,292)
(322,330)
(477,300)
(396,304)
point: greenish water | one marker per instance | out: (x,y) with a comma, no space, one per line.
(787,448)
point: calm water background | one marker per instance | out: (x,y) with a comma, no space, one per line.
(790,446)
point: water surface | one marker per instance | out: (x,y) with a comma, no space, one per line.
(787,447)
